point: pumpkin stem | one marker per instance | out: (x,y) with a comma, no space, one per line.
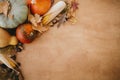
(13,41)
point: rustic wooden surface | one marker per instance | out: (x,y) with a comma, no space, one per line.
(88,50)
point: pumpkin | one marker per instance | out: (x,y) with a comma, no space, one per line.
(25,33)
(19,10)
(39,6)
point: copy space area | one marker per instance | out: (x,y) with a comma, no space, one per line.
(88,50)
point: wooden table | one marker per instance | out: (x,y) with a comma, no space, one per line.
(88,50)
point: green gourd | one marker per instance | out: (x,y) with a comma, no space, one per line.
(19,10)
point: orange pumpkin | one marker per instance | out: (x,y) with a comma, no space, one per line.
(25,33)
(39,6)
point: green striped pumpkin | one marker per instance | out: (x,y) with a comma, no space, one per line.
(19,10)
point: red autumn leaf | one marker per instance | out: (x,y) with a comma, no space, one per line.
(74,5)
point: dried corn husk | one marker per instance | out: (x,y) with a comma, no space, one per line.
(53,12)
(7,61)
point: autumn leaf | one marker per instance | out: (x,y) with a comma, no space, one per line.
(4,7)
(74,5)
(36,22)
(34,19)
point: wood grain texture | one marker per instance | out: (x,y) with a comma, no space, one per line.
(88,50)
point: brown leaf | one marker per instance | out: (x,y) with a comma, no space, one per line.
(4,7)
